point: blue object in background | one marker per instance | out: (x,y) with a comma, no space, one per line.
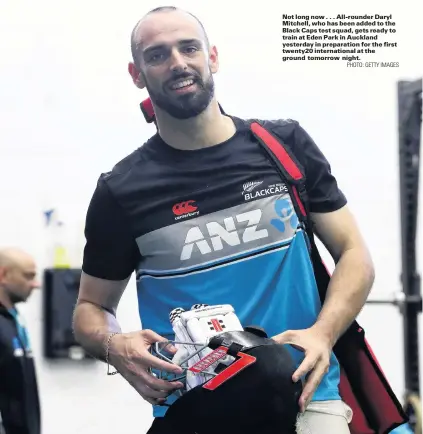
(48,216)
(403,429)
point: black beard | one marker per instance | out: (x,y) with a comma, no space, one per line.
(185,106)
(15,299)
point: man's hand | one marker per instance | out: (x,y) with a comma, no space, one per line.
(317,348)
(129,354)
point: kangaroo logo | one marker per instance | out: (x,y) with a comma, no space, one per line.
(286,213)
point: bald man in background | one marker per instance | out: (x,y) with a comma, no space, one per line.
(19,399)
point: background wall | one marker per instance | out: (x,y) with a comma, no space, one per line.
(69,111)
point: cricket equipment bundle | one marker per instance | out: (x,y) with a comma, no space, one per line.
(193,331)
(243,380)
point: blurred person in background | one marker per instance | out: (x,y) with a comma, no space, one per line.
(19,398)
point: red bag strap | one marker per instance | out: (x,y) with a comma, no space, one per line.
(286,163)
(147,110)
(290,167)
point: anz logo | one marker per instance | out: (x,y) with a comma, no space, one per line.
(216,234)
(234,232)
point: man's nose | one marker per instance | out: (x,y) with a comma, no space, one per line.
(177,62)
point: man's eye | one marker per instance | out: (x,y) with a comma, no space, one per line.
(190,50)
(156,57)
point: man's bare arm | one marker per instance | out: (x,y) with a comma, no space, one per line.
(95,319)
(353,276)
(347,292)
(95,313)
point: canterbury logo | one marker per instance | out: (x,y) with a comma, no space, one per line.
(184,207)
(250,186)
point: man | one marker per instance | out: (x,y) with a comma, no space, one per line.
(201,214)
(19,400)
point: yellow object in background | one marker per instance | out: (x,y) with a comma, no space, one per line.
(61,258)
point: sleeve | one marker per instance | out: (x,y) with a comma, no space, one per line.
(110,250)
(322,187)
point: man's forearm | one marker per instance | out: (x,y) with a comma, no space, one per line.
(347,293)
(92,326)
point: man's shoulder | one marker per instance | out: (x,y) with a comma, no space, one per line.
(283,128)
(288,132)
(128,164)
(286,123)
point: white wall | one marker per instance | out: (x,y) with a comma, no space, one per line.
(68,111)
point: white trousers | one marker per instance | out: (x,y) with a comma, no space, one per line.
(325,417)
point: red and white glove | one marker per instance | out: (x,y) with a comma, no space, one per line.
(198,326)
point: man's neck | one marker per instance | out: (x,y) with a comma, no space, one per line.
(207,129)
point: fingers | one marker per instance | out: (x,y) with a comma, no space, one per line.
(134,361)
(148,360)
(306,366)
(313,381)
(290,337)
(153,401)
(285,337)
(152,337)
(316,359)
(152,388)
(148,393)
(155,383)
(158,401)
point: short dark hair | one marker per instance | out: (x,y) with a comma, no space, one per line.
(135,43)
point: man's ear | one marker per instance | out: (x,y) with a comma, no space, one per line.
(213,59)
(136,76)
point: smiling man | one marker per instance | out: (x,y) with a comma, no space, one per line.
(184,94)
(204,216)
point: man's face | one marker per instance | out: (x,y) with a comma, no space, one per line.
(19,280)
(175,64)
